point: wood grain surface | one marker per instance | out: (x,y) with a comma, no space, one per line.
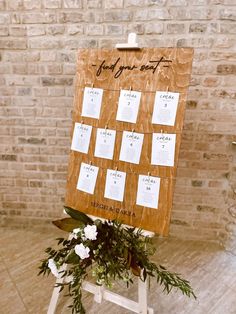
(146,70)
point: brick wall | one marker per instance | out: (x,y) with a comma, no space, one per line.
(38,43)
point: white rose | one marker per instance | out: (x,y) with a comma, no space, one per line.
(53,267)
(90,232)
(82,251)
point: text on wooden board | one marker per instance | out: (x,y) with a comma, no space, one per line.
(118,69)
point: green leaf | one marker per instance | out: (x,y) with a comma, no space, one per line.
(67,224)
(83,218)
(72,258)
(144,274)
(60,240)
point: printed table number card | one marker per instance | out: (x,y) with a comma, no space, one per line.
(87,178)
(105,143)
(115,185)
(163,149)
(148,191)
(92,102)
(81,138)
(165,108)
(131,147)
(128,106)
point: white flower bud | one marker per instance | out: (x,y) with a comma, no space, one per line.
(53,267)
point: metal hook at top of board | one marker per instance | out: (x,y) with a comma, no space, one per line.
(131,44)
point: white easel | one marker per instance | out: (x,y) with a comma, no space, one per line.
(100,293)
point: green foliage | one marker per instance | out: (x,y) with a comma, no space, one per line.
(130,249)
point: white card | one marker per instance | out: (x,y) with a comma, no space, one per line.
(115,185)
(128,106)
(163,149)
(81,137)
(165,108)
(131,147)
(148,191)
(92,102)
(105,143)
(87,178)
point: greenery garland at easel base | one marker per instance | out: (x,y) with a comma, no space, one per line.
(93,245)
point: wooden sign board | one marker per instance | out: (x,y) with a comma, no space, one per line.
(146,70)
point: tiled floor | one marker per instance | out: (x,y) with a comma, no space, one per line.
(211,271)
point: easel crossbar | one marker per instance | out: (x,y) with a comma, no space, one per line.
(100,293)
(103,294)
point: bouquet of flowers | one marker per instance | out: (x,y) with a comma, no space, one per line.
(91,248)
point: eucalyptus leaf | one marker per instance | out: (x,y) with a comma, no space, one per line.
(67,224)
(75,214)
